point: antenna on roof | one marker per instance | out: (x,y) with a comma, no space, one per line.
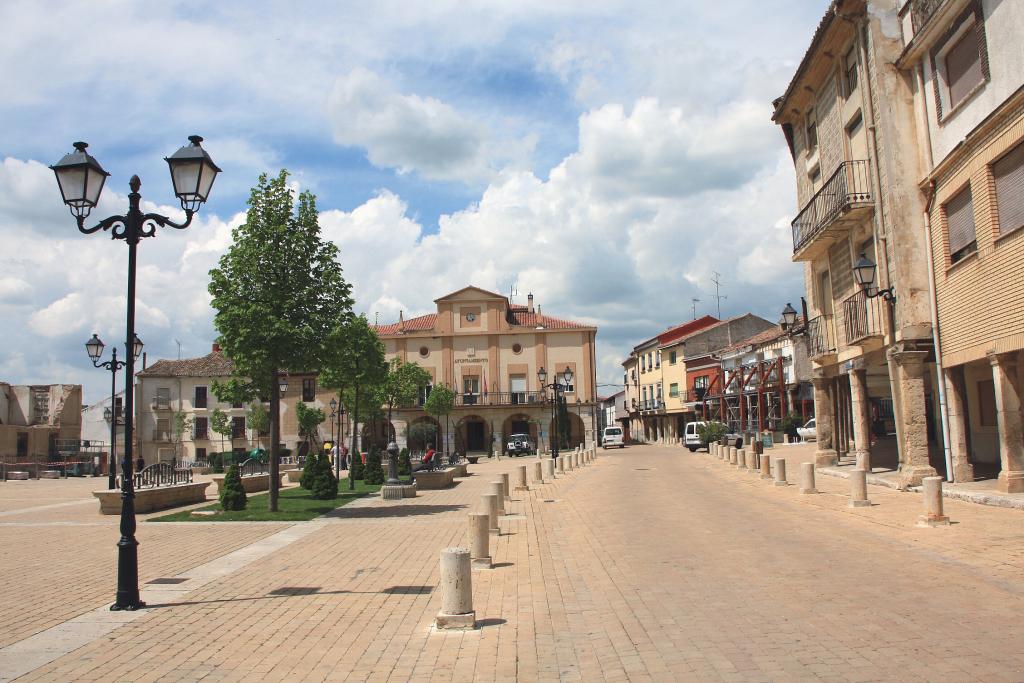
(513,291)
(693,302)
(717,279)
(179,348)
(376,318)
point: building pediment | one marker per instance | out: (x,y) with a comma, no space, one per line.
(470,294)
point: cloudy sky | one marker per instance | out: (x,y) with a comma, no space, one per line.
(607,156)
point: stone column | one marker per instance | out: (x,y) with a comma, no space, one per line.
(456,591)
(561,464)
(859,489)
(933,514)
(780,472)
(914,465)
(807,478)
(550,464)
(766,467)
(538,473)
(490,502)
(480,540)
(825,454)
(1011,428)
(497,490)
(505,488)
(521,484)
(861,418)
(956,407)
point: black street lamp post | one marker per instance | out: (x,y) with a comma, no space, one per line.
(80,178)
(864,275)
(94,347)
(337,411)
(556,386)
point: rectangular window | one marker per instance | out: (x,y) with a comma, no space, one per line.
(812,131)
(960,225)
(672,358)
(1008,173)
(963,67)
(163,429)
(424,393)
(200,454)
(22,445)
(163,397)
(673,390)
(200,398)
(850,62)
(309,389)
(200,429)
(119,407)
(657,362)
(987,403)
(238,428)
(517,385)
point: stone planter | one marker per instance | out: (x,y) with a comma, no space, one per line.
(153,499)
(251,484)
(434,479)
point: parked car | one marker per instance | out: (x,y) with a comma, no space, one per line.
(691,437)
(809,432)
(612,436)
(520,444)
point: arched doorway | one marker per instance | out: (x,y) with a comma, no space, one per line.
(577,431)
(472,435)
(377,433)
(519,423)
(422,431)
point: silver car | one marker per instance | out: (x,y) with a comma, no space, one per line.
(809,432)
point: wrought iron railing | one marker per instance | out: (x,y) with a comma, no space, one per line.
(921,12)
(252,467)
(850,184)
(161,474)
(821,336)
(862,317)
(501,398)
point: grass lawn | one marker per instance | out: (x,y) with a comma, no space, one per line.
(294,505)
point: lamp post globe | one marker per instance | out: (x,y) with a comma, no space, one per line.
(137,347)
(864,271)
(283,386)
(94,347)
(80,178)
(542,375)
(107,415)
(567,375)
(192,173)
(788,316)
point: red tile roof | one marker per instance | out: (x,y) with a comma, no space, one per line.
(765,337)
(423,322)
(213,364)
(686,329)
(526,319)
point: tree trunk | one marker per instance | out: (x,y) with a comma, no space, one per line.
(275,438)
(354,453)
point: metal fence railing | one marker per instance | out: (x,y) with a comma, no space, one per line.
(849,184)
(161,474)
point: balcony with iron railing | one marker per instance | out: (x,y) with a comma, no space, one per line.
(845,196)
(863,318)
(821,336)
(501,398)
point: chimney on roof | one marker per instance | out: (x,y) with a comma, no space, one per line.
(401,321)
(216,347)
(143,360)
(529,302)
(538,310)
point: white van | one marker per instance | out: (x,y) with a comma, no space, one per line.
(612,436)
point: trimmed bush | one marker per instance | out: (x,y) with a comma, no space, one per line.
(404,463)
(711,431)
(232,495)
(374,469)
(325,484)
(309,471)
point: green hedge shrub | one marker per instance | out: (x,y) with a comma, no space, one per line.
(232,495)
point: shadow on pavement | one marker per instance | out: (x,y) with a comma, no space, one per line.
(391,511)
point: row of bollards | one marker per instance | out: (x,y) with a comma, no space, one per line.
(757,462)
(457,564)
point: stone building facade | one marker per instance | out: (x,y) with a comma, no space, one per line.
(488,351)
(34,419)
(965,61)
(849,120)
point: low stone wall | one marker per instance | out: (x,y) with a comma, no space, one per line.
(434,479)
(252,484)
(157,498)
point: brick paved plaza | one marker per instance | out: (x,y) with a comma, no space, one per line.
(650,564)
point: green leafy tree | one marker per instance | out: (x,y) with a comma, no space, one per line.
(355,366)
(711,431)
(258,420)
(232,495)
(440,403)
(564,428)
(374,467)
(309,420)
(404,463)
(220,424)
(402,384)
(277,292)
(182,424)
(420,434)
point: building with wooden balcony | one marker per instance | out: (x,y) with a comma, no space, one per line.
(966,64)
(488,351)
(849,120)
(35,418)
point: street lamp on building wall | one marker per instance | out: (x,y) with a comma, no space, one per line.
(81,178)
(94,347)
(864,274)
(556,387)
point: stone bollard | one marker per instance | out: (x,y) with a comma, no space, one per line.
(577,457)
(456,591)
(521,484)
(859,489)
(561,464)
(741,458)
(506,490)
(766,467)
(480,540)
(491,506)
(732,455)
(807,478)
(933,513)
(498,491)
(538,472)
(550,464)
(780,472)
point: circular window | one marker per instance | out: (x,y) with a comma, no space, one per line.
(517,348)
(424,351)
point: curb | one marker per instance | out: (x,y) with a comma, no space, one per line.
(976,497)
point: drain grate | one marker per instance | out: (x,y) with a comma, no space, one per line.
(168,581)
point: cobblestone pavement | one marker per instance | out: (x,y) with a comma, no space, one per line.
(651,564)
